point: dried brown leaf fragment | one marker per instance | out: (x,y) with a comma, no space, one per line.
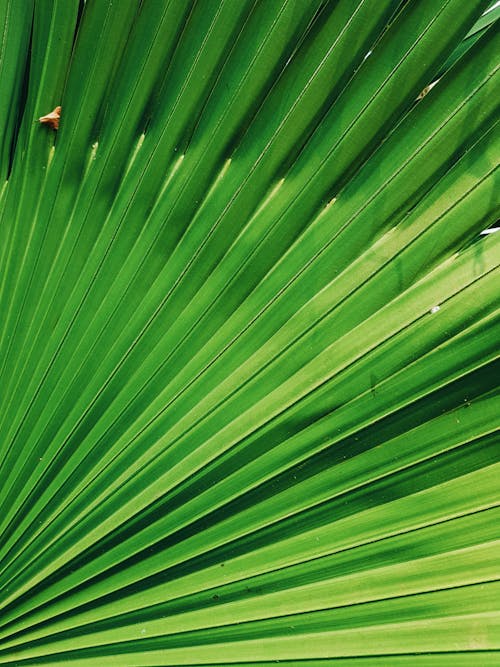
(52,118)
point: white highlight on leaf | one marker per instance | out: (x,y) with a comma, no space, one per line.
(93,152)
(51,156)
(134,154)
(171,175)
(497,4)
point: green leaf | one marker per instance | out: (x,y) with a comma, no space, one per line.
(248,354)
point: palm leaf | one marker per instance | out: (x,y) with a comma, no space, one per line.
(248,351)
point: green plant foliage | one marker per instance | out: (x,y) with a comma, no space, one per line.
(249,333)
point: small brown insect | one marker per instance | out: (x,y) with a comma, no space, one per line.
(52,118)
